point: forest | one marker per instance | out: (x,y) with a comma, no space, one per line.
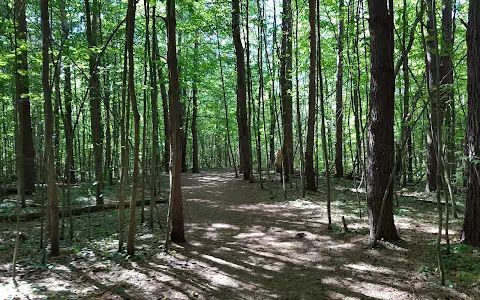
(240,149)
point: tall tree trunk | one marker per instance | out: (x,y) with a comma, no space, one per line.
(48,111)
(56,114)
(312,96)
(125,147)
(380,129)
(177,234)
(324,136)
(69,174)
(92,15)
(166,119)
(402,159)
(446,82)
(339,96)
(224,94)
(108,175)
(435,111)
(286,88)
(136,117)
(407,169)
(18,160)
(22,96)
(251,101)
(195,167)
(261,105)
(471,226)
(184,120)
(245,143)
(153,83)
(146,58)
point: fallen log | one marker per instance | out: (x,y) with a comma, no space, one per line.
(76,211)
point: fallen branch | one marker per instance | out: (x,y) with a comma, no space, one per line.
(75,211)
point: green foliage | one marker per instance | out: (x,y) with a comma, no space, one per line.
(462,264)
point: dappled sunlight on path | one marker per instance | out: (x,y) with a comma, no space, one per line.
(249,243)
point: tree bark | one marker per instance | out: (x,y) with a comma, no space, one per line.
(380,129)
(224,94)
(92,15)
(136,117)
(166,119)
(195,167)
(435,112)
(22,96)
(471,227)
(446,81)
(286,88)
(154,85)
(48,111)
(177,234)
(312,96)
(245,143)
(339,96)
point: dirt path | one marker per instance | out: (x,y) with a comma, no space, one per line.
(248,243)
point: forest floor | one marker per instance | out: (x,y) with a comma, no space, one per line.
(244,242)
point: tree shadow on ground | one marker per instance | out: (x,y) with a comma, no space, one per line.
(249,243)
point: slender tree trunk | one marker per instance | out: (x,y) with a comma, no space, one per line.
(19,161)
(286,89)
(324,136)
(339,96)
(406,128)
(249,83)
(22,96)
(108,134)
(136,117)
(154,85)
(435,111)
(166,119)
(67,120)
(471,226)
(48,110)
(227,125)
(92,16)
(446,71)
(146,57)
(124,124)
(242,120)
(260,92)
(195,168)
(56,115)
(380,129)
(177,234)
(312,95)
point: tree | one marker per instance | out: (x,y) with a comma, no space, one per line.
(245,143)
(312,96)
(136,116)
(166,119)
(339,96)
(67,118)
(471,226)
(435,111)
(286,88)
(154,85)
(92,20)
(48,111)
(177,234)
(380,129)
(195,167)
(22,96)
